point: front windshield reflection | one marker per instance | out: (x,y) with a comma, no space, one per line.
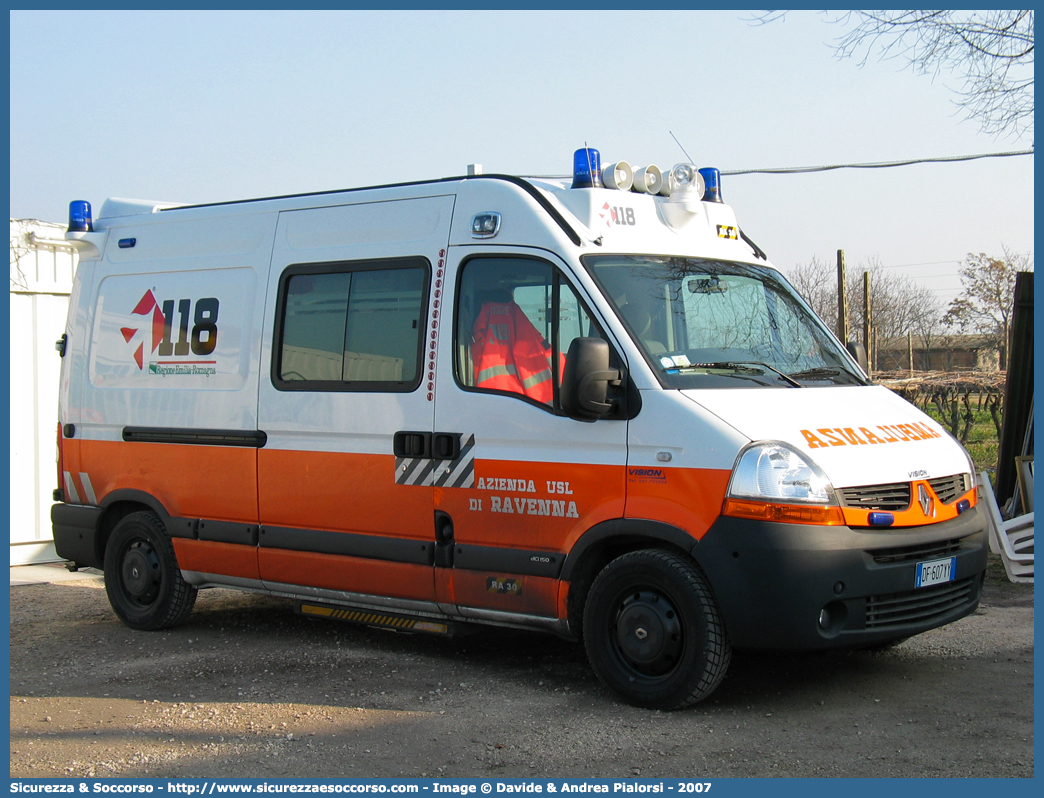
(710,323)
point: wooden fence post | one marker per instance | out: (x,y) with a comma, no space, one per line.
(867,324)
(842,299)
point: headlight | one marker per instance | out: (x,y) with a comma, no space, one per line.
(775,472)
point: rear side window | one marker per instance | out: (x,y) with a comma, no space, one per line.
(351,326)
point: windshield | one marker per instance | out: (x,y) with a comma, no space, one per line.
(712,324)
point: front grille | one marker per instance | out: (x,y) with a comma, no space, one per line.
(918,606)
(894,496)
(949,489)
(922,551)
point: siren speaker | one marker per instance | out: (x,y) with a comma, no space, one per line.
(648,179)
(666,184)
(618,175)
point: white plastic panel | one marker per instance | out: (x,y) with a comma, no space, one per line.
(400,221)
(37,320)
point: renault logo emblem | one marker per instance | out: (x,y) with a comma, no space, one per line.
(926,501)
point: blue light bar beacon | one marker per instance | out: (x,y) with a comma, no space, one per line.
(711,184)
(587,168)
(80,217)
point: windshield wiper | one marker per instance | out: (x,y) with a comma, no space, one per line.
(811,374)
(736,365)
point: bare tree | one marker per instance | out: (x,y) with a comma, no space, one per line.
(989,53)
(989,292)
(926,321)
(816,281)
(898,305)
(21,245)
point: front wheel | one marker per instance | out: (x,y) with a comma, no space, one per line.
(142,577)
(653,632)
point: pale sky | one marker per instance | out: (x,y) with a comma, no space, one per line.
(210,106)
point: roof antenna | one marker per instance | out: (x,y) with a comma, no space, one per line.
(682,148)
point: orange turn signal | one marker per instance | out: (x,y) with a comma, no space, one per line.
(785,513)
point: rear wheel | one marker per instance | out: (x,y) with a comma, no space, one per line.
(653,632)
(142,577)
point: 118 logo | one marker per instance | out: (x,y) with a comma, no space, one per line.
(166,316)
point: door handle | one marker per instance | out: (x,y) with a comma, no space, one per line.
(412,444)
(437,446)
(445,446)
(443,540)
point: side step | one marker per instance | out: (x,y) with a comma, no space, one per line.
(378,620)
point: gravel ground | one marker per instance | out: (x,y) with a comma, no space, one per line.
(245,688)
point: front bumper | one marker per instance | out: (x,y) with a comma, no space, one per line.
(774,581)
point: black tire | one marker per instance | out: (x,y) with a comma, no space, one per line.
(142,577)
(653,632)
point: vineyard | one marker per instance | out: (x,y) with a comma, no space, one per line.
(968,404)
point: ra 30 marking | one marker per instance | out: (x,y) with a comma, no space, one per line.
(510,587)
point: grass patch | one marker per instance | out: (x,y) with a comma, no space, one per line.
(982,441)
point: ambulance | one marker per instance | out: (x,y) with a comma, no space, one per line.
(590,407)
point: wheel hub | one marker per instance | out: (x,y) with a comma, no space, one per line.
(649,633)
(140,572)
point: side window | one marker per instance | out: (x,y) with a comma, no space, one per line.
(573,319)
(351,326)
(515,320)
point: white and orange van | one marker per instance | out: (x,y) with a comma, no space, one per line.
(589,407)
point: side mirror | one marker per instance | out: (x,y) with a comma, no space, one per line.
(586,379)
(858,351)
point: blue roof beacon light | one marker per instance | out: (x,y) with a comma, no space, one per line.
(80,217)
(587,168)
(712,184)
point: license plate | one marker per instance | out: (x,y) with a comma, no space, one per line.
(935,572)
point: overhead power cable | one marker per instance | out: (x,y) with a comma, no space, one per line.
(794,170)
